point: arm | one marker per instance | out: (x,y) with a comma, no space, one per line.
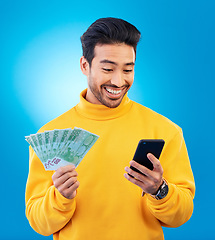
(47,209)
(177,207)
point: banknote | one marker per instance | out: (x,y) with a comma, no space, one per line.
(48,138)
(60,147)
(80,144)
(30,141)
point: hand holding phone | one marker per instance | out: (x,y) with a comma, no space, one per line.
(144,147)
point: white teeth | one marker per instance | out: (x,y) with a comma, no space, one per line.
(113,91)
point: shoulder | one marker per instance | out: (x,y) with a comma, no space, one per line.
(154,119)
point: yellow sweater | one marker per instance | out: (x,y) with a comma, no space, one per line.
(107,206)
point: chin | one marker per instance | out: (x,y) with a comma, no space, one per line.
(112,103)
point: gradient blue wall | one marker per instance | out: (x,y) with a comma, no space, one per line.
(40,79)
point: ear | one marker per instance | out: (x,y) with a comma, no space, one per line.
(84,65)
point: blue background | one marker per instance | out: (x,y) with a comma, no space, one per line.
(40,79)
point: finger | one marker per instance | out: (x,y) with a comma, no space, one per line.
(147,186)
(63,178)
(74,186)
(134,181)
(67,184)
(155,175)
(70,192)
(144,170)
(154,160)
(135,174)
(62,170)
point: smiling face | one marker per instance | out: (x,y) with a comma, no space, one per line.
(110,75)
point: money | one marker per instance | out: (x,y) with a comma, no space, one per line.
(61,147)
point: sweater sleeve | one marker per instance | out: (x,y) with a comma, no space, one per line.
(46,209)
(177,207)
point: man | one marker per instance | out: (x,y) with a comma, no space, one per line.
(95,201)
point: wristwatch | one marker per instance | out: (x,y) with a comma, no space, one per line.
(162,191)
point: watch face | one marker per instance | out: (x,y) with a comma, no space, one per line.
(163,191)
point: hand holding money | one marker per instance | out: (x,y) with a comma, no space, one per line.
(65,180)
(61,147)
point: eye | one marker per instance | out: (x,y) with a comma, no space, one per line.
(107,69)
(128,71)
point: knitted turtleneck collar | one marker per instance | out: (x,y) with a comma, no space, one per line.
(101,112)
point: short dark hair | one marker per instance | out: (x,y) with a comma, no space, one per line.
(108,31)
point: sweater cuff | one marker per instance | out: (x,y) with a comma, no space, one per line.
(63,203)
(154,201)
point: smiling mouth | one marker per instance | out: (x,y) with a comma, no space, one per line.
(112,91)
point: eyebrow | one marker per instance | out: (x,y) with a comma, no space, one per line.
(114,63)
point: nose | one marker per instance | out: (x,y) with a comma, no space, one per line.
(118,79)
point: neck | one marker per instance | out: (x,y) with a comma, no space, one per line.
(99,111)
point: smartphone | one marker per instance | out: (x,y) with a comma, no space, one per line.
(144,147)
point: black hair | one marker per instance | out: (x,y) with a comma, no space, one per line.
(108,31)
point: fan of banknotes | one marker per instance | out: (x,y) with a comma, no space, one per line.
(61,147)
